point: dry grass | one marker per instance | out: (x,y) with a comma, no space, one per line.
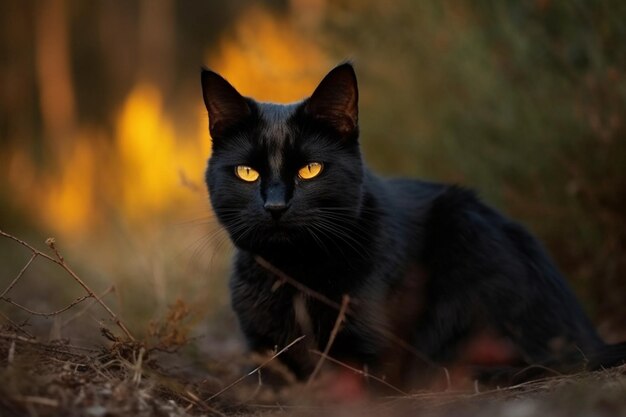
(57,379)
(128,375)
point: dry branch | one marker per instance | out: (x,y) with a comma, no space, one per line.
(32,341)
(50,314)
(59,260)
(284,278)
(238,380)
(331,339)
(195,400)
(358,371)
(15,326)
(297,285)
(19,275)
(48,402)
(87,307)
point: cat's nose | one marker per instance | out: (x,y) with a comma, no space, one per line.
(275,200)
(276,208)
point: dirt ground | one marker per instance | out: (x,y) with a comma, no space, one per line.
(122,379)
(178,367)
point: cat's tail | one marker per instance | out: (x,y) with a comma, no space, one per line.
(607,357)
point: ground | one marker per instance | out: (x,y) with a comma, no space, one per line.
(122,379)
(74,361)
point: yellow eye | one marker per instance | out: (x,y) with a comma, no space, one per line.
(310,170)
(246,173)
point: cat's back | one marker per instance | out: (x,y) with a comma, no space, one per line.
(425,201)
(414,191)
(409,201)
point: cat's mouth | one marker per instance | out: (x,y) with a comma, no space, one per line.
(266,234)
(280,235)
(275,238)
(280,230)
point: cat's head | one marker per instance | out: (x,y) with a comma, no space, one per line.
(284,175)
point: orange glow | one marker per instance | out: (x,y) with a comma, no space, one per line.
(269,59)
(149,168)
(151,158)
(143,172)
(68,199)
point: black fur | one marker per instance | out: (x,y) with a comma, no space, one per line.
(424,263)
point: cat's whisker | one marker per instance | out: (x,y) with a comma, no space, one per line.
(345,216)
(329,236)
(350,211)
(198,221)
(318,240)
(201,240)
(351,228)
(339,232)
(209,240)
(355,228)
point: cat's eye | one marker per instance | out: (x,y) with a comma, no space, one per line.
(246,173)
(310,170)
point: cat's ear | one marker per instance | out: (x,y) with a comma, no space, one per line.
(225,105)
(335,100)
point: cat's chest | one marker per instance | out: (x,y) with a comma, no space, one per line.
(388,302)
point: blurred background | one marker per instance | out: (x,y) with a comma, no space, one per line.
(104,139)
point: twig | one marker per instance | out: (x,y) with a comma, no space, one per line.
(36,343)
(49,402)
(137,366)
(360,372)
(17,278)
(331,339)
(282,277)
(16,326)
(274,356)
(87,307)
(53,313)
(11,352)
(195,400)
(116,319)
(254,393)
(448,380)
(59,260)
(538,366)
(29,247)
(449,396)
(20,338)
(300,287)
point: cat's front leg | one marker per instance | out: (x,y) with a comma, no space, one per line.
(267,319)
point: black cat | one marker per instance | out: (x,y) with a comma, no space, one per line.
(428,267)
